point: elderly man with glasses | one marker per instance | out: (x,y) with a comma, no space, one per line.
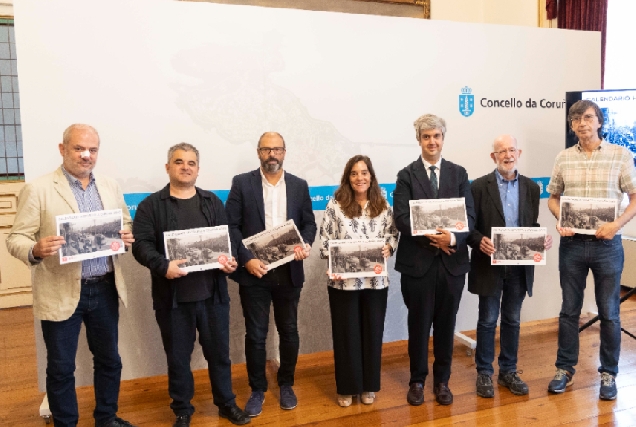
(261,200)
(592,168)
(503,198)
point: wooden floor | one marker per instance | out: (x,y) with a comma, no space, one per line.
(145,401)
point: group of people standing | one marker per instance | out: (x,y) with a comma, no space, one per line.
(433,269)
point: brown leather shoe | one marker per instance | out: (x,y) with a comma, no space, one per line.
(415,396)
(443,395)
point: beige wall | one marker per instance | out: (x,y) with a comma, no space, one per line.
(510,12)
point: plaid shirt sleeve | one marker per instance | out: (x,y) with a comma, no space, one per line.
(628,174)
(556,185)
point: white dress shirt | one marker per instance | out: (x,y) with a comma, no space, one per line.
(437,165)
(275,201)
(427,165)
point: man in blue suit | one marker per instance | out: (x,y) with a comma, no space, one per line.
(260,200)
(434,266)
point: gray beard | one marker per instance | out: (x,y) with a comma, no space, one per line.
(269,168)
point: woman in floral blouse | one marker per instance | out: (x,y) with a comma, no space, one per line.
(358,306)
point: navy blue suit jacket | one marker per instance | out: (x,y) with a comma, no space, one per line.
(245,211)
(415,253)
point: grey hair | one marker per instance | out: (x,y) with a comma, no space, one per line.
(66,136)
(269,134)
(428,122)
(182,146)
(580,107)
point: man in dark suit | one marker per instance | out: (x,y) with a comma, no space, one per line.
(260,200)
(503,198)
(434,266)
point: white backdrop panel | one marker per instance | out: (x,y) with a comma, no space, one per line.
(149,74)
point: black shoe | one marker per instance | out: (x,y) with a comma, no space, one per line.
(415,396)
(117,422)
(484,386)
(443,395)
(235,414)
(182,421)
(515,384)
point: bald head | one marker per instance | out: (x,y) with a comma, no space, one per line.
(271,135)
(503,140)
(77,128)
(505,154)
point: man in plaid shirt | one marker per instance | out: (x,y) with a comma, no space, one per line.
(593,168)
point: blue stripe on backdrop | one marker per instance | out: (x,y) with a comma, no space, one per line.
(319,195)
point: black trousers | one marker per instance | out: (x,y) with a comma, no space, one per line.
(256,299)
(357,326)
(178,328)
(432,300)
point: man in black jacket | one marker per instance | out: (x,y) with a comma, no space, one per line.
(187,302)
(434,266)
(503,198)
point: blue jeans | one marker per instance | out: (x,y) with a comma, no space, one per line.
(605,259)
(98,309)
(510,298)
(179,327)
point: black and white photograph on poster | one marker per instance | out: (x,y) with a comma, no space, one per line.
(518,245)
(357,258)
(585,215)
(275,247)
(204,248)
(90,235)
(619,113)
(429,214)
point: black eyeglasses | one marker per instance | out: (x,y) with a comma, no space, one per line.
(267,150)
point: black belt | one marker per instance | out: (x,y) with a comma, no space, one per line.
(97,279)
(585,237)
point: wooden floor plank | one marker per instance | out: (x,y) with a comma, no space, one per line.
(145,401)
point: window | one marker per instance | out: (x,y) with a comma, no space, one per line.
(620,61)
(11,158)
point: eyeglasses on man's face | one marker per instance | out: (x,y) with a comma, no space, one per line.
(512,151)
(266,150)
(586,118)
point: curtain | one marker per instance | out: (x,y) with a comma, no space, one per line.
(587,15)
(551,9)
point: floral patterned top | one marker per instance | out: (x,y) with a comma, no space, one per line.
(335,225)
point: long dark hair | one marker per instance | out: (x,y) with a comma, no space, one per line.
(345,195)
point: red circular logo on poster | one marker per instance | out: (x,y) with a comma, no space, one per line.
(459,225)
(414,233)
(222,259)
(494,261)
(377,269)
(537,258)
(115,246)
(64,259)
